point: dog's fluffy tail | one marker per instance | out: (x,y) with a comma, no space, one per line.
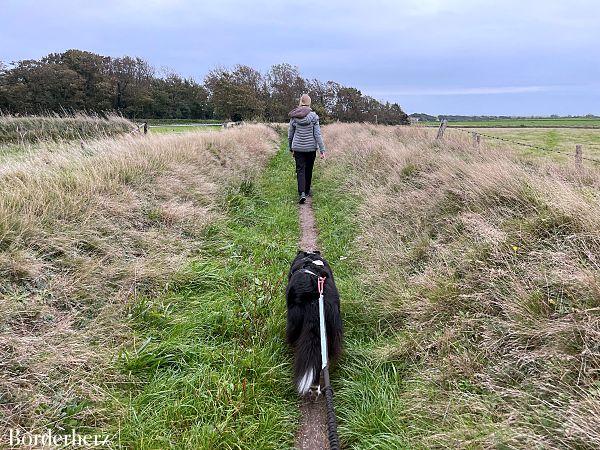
(307,365)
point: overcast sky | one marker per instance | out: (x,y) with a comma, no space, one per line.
(512,57)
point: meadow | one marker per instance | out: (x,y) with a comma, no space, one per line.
(182,128)
(554,140)
(469,281)
(179,121)
(143,282)
(566,122)
(87,236)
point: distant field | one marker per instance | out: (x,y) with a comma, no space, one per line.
(562,139)
(182,128)
(517,123)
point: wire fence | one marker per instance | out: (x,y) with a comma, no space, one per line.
(524,144)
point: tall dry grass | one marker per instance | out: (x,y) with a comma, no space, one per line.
(485,268)
(84,231)
(23,130)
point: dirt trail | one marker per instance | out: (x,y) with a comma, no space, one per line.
(312,434)
(308,227)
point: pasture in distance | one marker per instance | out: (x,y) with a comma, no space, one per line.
(555,140)
(557,135)
(550,122)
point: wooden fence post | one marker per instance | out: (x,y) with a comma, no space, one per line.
(442,128)
(476,139)
(578,155)
(145,127)
(21,135)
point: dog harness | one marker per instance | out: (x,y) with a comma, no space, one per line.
(316,262)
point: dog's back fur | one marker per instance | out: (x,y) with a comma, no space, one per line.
(303,334)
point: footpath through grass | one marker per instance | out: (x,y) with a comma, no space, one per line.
(211,367)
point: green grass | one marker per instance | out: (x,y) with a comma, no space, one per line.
(576,122)
(182,129)
(210,367)
(561,139)
(435,351)
(10,151)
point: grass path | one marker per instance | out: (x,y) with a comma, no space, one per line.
(211,368)
(312,431)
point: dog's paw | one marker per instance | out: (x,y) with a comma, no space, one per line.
(314,393)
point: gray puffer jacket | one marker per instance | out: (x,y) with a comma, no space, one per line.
(304,132)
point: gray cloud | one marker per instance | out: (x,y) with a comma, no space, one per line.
(428,55)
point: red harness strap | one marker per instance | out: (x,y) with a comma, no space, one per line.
(321,285)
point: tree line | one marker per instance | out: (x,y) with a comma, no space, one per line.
(77,80)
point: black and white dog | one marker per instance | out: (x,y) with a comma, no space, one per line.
(303,317)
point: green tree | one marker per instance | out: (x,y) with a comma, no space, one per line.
(79,80)
(238,94)
(285,86)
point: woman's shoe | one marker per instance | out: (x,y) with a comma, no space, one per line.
(302,197)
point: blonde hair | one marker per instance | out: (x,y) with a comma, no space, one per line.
(304,100)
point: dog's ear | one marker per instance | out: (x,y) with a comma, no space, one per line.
(317,252)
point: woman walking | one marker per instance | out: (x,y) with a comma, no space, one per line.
(304,138)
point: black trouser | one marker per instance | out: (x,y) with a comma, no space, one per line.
(304,167)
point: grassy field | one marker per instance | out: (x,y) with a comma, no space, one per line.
(561,139)
(32,129)
(469,292)
(178,121)
(10,151)
(528,123)
(84,233)
(182,128)
(144,277)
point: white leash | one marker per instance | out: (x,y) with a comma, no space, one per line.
(334,441)
(324,356)
(323,332)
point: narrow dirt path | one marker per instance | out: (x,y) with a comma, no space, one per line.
(312,434)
